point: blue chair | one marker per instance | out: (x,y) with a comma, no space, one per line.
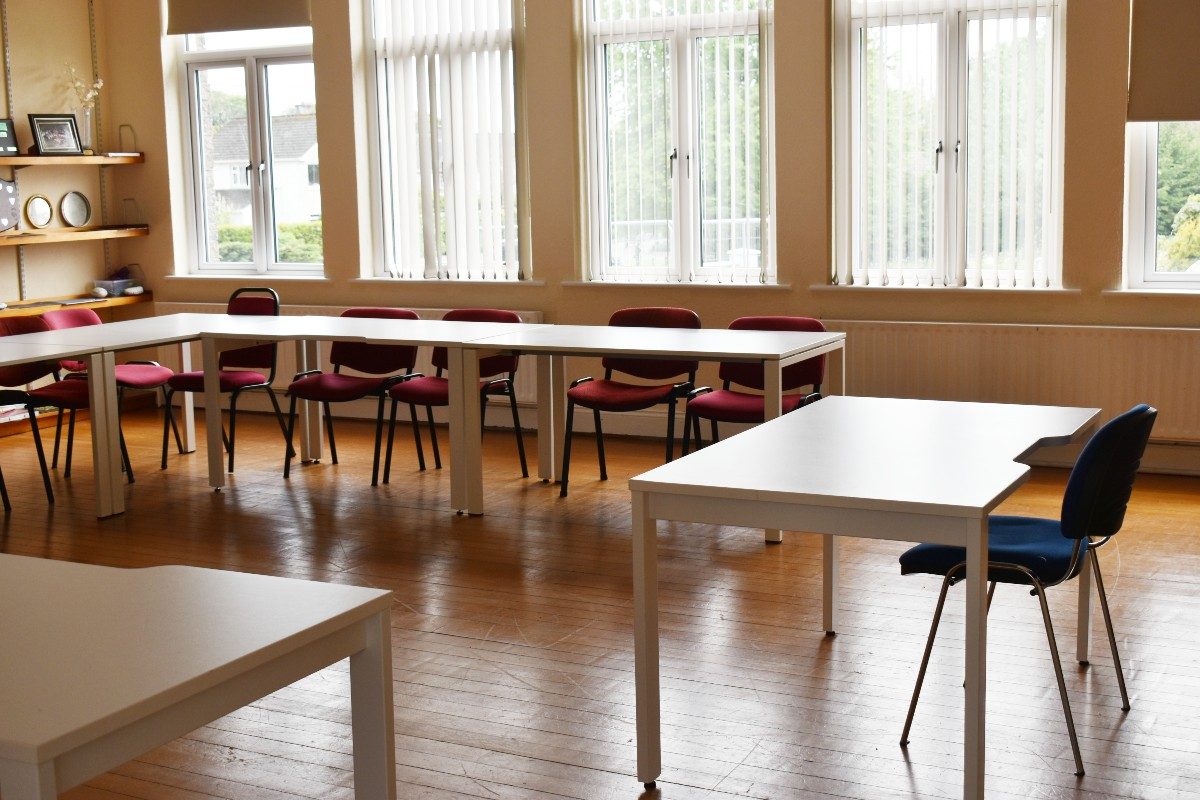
(1047,552)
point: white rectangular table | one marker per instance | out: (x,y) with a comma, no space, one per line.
(552,343)
(99,665)
(904,470)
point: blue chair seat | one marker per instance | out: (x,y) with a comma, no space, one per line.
(1036,544)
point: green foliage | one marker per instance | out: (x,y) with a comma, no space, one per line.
(299,243)
(235,243)
(1183,246)
(1178,170)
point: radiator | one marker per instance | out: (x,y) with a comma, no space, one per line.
(526,382)
(1107,367)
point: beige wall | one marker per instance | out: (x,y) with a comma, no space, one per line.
(1093,177)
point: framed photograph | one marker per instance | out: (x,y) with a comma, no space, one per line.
(8,138)
(55,134)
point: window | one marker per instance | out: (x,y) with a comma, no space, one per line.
(1163,217)
(947,155)
(445,139)
(679,107)
(256,207)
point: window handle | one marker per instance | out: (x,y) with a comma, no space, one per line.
(937,157)
(248,168)
(671,160)
(957,148)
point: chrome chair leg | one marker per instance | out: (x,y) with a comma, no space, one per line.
(1058,673)
(937,617)
(1112,637)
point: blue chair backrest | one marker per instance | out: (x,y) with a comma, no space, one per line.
(1102,480)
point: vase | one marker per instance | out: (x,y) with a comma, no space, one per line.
(84,119)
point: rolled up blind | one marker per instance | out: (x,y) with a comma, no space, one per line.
(207,16)
(1163,48)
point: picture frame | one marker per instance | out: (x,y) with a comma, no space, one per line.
(8,138)
(55,134)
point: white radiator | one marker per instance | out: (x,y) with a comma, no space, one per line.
(1107,367)
(526,383)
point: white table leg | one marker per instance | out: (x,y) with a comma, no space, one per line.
(371,704)
(976,659)
(558,400)
(466,436)
(547,466)
(312,434)
(20,781)
(1083,623)
(187,403)
(845,377)
(645,641)
(772,408)
(829,582)
(106,446)
(212,413)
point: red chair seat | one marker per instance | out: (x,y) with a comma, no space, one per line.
(142,376)
(230,379)
(333,387)
(62,394)
(429,390)
(609,395)
(70,365)
(726,405)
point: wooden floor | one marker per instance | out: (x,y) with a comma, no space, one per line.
(512,638)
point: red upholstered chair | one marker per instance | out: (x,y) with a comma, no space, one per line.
(729,405)
(143,375)
(609,395)
(242,369)
(380,366)
(70,394)
(434,390)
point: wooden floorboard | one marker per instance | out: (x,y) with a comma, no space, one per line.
(512,638)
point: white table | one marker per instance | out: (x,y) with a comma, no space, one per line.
(905,470)
(99,665)
(552,343)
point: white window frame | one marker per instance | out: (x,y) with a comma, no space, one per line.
(950,213)
(686,184)
(254,63)
(1141,214)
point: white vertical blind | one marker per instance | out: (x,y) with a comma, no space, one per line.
(448,138)
(945,142)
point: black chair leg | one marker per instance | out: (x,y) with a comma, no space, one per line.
(329,433)
(233,398)
(125,462)
(1112,637)
(416,428)
(512,402)
(688,424)
(937,617)
(437,456)
(174,426)
(289,452)
(37,443)
(716,437)
(279,419)
(168,423)
(70,443)
(378,441)
(4,494)
(57,439)
(670,430)
(600,445)
(1058,674)
(566,465)
(387,461)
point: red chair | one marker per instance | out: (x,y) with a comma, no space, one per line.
(609,395)
(143,375)
(70,394)
(242,369)
(729,405)
(430,391)
(382,362)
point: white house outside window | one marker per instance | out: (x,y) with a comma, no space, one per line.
(446,139)
(948,120)
(1163,215)
(679,116)
(252,126)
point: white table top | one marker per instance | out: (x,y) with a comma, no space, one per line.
(924,456)
(683,343)
(436,332)
(23,352)
(87,649)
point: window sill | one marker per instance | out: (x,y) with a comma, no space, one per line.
(244,277)
(1142,291)
(442,282)
(676,285)
(957,290)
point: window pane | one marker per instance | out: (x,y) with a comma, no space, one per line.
(248,40)
(1177,199)
(638,142)
(224,156)
(730,166)
(898,113)
(1008,147)
(295,191)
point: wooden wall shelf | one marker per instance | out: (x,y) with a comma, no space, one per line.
(31,308)
(56,235)
(67,161)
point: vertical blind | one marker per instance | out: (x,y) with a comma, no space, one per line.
(448,138)
(678,122)
(946,143)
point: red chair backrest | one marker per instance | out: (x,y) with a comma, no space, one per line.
(806,373)
(653,317)
(21,374)
(252,301)
(374,359)
(492,365)
(71,318)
